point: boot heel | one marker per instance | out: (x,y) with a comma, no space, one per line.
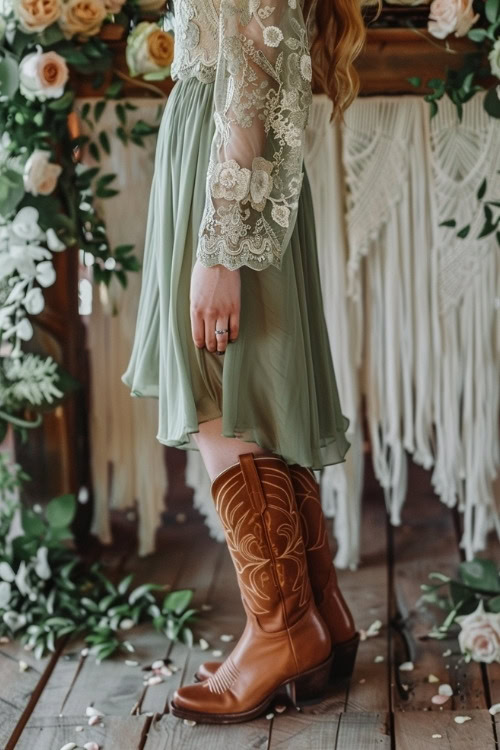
(310,687)
(344,659)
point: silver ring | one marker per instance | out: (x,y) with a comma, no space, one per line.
(221,333)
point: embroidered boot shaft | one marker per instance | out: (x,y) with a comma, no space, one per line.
(322,575)
(285,642)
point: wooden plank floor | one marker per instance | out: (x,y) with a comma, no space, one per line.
(380,708)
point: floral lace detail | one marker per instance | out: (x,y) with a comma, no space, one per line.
(195,24)
(262,100)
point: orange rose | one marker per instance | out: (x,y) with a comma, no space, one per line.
(82,17)
(36,15)
(161,48)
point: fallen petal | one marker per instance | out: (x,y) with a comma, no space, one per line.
(158,664)
(462,719)
(206,607)
(91,746)
(362,681)
(495,709)
(79,729)
(378,659)
(155,680)
(406,666)
(445,689)
(362,635)
(440,700)
(23,666)
(437,736)
(189,722)
(84,652)
(127,624)
(94,720)
(4,639)
(280,709)
(69,746)
(269,716)
(204,645)
(131,663)
(91,711)
(447,652)
(227,638)
(216,652)
(432,678)
(374,629)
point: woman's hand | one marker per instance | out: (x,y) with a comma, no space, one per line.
(215,305)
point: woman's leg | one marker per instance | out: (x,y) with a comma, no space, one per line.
(220,452)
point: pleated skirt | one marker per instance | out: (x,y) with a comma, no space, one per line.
(275,386)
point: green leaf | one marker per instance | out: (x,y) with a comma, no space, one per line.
(492,10)
(491,103)
(124,584)
(436,576)
(9,74)
(177,601)
(65,102)
(494,604)
(415,81)
(32,524)
(99,108)
(482,189)
(464,232)
(477,35)
(114,90)
(104,141)
(448,223)
(61,510)
(94,151)
(481,575)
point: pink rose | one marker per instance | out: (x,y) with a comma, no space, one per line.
(448,16)
(479,637)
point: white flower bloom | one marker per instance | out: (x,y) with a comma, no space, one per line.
(5,592)
(273,36)
(34,301)
(24,330)
(40,174)
(13,620)
(25,224)
(6,572)
(45,273)
(22,582)
(53,242)
(306,67)
(42,568)
(479,637)
(281,215)
(230,181)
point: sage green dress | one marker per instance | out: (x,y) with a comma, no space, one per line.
(229,188)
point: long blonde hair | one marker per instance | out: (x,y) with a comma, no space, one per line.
(339,39)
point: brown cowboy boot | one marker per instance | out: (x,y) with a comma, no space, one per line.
(285,643)
(327,595)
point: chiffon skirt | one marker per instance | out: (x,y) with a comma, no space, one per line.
(275,385)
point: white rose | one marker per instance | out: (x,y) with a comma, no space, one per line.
(494,58)
(479,637)
(33,301)
(42,75)
(40,175)
(447,16)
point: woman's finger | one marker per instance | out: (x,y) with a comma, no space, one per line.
(234,326)
(198,330)
(222,338)
(210,339)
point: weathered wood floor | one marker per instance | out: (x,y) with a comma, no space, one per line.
(381,707)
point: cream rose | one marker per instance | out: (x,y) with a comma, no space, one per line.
(150,51)
(479,637)
(82,17)
(494,58)
(40,175)
(448,16)
(42,75)
(36,15)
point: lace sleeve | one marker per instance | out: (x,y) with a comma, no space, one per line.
(262,100)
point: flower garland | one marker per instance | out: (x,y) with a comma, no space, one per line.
(46,194)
